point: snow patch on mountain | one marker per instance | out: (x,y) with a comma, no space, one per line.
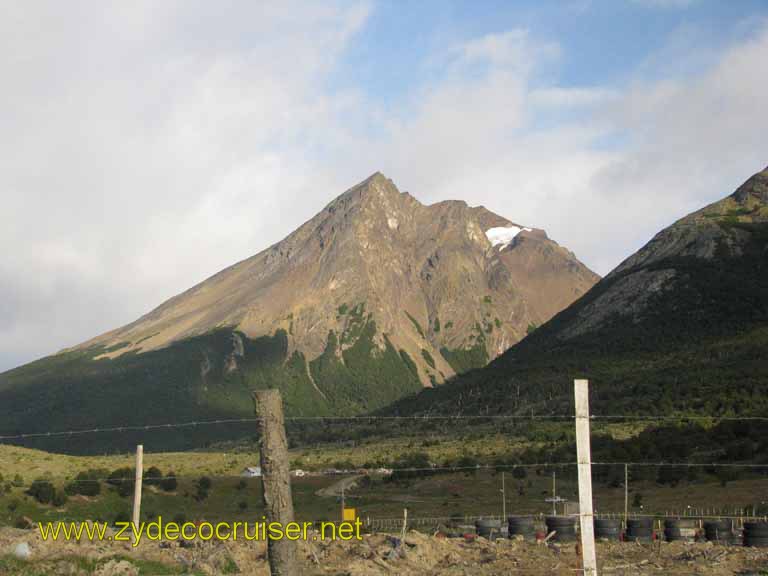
(502,236)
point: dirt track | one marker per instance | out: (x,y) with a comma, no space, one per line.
(379,554)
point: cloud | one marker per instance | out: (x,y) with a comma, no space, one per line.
(147,146)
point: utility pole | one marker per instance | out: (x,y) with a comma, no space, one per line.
(584,463)
(275,479)
(343,503)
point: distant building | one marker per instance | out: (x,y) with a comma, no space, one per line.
(298,473)
(251,472)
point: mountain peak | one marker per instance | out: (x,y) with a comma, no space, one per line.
(754,190)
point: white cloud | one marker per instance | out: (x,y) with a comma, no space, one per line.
(145,146)
(149,145)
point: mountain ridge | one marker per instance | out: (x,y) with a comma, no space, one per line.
(681,326)
(373,298)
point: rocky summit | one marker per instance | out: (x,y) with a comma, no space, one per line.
(372,299)
(681,326)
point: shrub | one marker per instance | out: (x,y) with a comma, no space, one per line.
(17,481)
(169,483)
(204,483)
(120,475)
(85,483)
(153,476)
(42,491)
(203,486)
(519,472)
(125,488)
(59,498)
(121,517)
(180,518)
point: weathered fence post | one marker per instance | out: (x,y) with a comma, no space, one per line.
(583,458)
(275,478)
(137,485)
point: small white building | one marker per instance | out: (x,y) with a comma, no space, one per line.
(298,473)
(251,472)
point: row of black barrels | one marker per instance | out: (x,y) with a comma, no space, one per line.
(755,534)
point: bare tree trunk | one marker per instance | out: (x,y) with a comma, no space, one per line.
(276,479)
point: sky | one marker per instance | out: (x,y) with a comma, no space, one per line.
(147,145)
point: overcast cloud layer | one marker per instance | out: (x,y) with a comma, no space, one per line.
(145,146)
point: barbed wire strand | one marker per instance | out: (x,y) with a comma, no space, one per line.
(521,417)
(386,471)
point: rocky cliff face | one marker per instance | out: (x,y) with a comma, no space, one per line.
(679,326)
(451,285)
(374,298)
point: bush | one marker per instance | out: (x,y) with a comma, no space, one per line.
(42,491)
(123,480)
(120,475)
(85,483)
(467,464)
(153,476)
(203,486)
(121,517)
(169,483)
(17,481)
(180,518)
(204,483)
(59,498)
(126,488)
(414,465)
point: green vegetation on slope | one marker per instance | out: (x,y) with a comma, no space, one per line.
(200,378)
(699,347)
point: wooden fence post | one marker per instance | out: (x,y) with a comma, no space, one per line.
(583,458)
(137,485)
(275,478)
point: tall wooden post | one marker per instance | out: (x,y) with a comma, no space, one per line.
(554,492)
(275,479)
(503,499)
(137,485)
(626,494)
(583,458)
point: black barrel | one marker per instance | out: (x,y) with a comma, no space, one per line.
(756,534)
(680,529)
(489,528)
(563,526)
(608,528)
(521,526)
(639,529)
(718,530)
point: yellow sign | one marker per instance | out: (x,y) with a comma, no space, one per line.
(349,515)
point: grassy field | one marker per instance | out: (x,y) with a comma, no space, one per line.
(444,495)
